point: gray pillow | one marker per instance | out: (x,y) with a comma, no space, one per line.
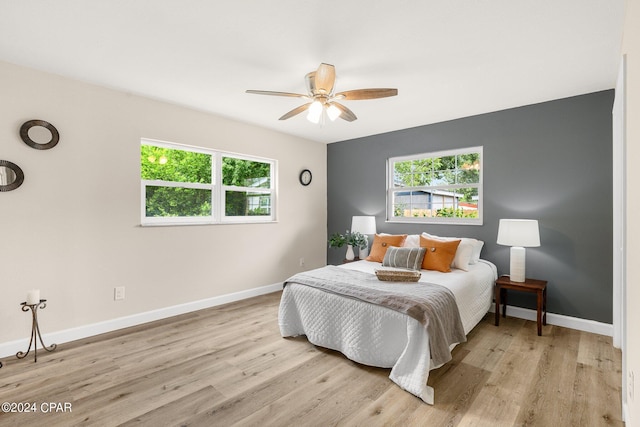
(410,258)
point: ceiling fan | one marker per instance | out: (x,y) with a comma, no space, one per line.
(322,100)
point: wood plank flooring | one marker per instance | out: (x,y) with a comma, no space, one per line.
(228,366)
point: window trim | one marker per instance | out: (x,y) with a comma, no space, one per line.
(223,189)
(435,220)
(217,189)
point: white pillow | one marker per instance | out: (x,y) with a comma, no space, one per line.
(412,241)
(464,253)
(477,248)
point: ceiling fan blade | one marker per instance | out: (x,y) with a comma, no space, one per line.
(310,82)
(357,94)
(345,113)
(325,78)
(269,92)
(296,111)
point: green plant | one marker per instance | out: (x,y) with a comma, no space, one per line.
(459,213)
(355,239)
(337,240)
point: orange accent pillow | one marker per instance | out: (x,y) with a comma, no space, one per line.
(381,243)
(439,254)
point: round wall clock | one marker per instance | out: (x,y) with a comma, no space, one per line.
(305,177)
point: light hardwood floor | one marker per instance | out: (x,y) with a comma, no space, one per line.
(229,365)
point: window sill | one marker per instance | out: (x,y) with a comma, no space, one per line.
(181,224)
(445,221)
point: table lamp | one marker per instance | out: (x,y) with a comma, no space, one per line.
(365,225)
(518,233)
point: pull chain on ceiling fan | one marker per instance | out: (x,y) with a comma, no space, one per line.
(320,85)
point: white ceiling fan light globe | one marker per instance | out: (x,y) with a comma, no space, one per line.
(333,112)
(315,111)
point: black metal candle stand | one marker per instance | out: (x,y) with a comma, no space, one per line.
(35,331)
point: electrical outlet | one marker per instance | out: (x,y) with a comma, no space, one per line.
(631,386)
(301,262)
(118,293)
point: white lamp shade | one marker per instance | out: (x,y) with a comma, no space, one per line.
(364,224)
(518,232)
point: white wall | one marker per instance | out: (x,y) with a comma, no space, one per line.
(631,47)
(72,229)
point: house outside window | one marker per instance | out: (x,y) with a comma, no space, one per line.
(191,185)
(443,187)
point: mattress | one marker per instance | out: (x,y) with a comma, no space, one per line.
(379,336)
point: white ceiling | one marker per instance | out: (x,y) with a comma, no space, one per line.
(448,58)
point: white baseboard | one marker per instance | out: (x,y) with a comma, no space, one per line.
(561,320)
(12,347)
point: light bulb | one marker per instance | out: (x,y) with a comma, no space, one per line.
(162,160)
(315,111)
(333,112)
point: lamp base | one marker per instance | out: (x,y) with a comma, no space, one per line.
(517,264)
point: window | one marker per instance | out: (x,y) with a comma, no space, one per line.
(246,187)
(188,185)
(444,187)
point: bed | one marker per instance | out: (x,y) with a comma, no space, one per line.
(379,336)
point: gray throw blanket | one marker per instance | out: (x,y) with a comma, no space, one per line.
(434,306)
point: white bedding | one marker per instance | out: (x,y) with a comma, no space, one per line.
(379,336)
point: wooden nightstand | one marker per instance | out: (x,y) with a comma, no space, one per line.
(529,285)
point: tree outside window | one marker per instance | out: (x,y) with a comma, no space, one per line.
(436,187)
(180,186)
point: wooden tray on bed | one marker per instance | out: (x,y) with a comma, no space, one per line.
(398,275)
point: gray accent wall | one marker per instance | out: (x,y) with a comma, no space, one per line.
(549,161)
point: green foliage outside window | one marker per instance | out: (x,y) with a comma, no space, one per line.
(176,201)
(440,171)
(241,203)
(180,183)
(456,213)
(245,173)
(248,174)
(166,164)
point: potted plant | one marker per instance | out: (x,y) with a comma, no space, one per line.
(337,240)
(357,240)
(351,239)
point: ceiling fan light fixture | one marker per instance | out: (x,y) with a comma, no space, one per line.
(333,112)
(320,94)
(315,112)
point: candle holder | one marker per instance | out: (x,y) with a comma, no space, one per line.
(35,330)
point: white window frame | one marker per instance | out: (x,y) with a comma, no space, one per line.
(217,189)
(435,220)
(266,191)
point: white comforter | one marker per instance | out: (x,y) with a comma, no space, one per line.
(378,336)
